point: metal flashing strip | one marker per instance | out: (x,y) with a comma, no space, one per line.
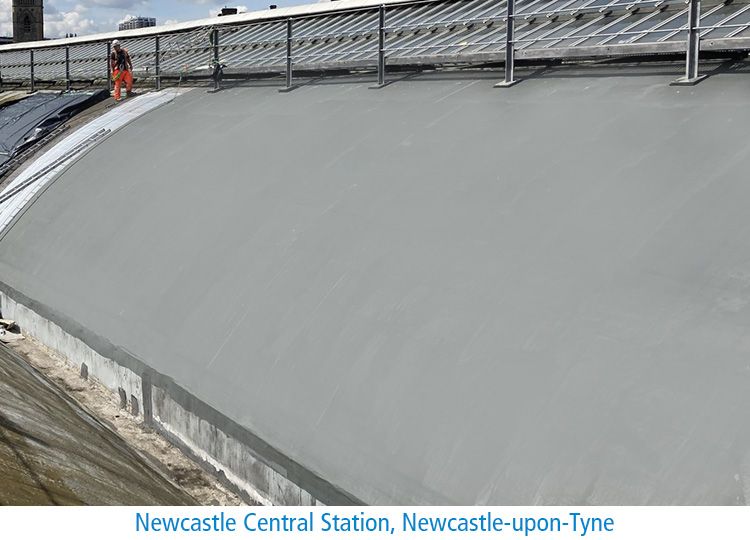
(74,152)
(36,176)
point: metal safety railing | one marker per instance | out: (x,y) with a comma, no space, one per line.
(409,32)
(666,29)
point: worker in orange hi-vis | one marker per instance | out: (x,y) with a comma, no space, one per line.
(122,69)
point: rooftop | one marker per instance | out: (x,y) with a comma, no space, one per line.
(437,292)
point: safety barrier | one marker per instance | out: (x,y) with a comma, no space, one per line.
(414,33)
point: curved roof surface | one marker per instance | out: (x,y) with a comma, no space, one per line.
(438,292)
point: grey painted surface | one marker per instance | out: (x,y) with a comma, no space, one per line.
(436,292)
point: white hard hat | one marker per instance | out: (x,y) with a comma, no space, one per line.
(115,43)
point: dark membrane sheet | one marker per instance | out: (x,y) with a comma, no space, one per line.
(26,121)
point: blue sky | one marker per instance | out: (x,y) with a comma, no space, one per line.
(88,17)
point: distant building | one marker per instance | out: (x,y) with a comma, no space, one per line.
(28,20)
(137,22)
(228,11)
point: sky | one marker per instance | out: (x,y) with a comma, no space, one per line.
(89,17)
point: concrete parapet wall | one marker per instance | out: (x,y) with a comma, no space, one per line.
(232,460)
(226,455)
(74,351)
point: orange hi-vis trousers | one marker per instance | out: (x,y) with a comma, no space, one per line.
(119,77)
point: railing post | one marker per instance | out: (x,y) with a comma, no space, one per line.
(510,46)
(216,67)
(289,52)
(67,68)
(215,44)
(31,69)
(109,66)
(693,46)
(157,66)
(381,49)
(381,46)
(289,62)
(693,43)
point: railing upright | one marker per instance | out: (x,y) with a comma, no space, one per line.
(109,66)
(67,68)
(216,60)
(693,46)
(510,46)
(157,66)
(31,69)
(381,46)
(289,59)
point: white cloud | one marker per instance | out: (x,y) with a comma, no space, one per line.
(57,23)
(119,4)
(126,18)
(90,16)
(6,18)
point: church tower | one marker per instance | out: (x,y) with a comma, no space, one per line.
(28,20)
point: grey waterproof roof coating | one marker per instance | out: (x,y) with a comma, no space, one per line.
(438,292)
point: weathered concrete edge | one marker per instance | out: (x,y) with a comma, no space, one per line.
(155,466)
(277,465)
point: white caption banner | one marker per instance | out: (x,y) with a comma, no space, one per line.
(317,523)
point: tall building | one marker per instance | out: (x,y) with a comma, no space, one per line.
(137,22)
(28,20)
